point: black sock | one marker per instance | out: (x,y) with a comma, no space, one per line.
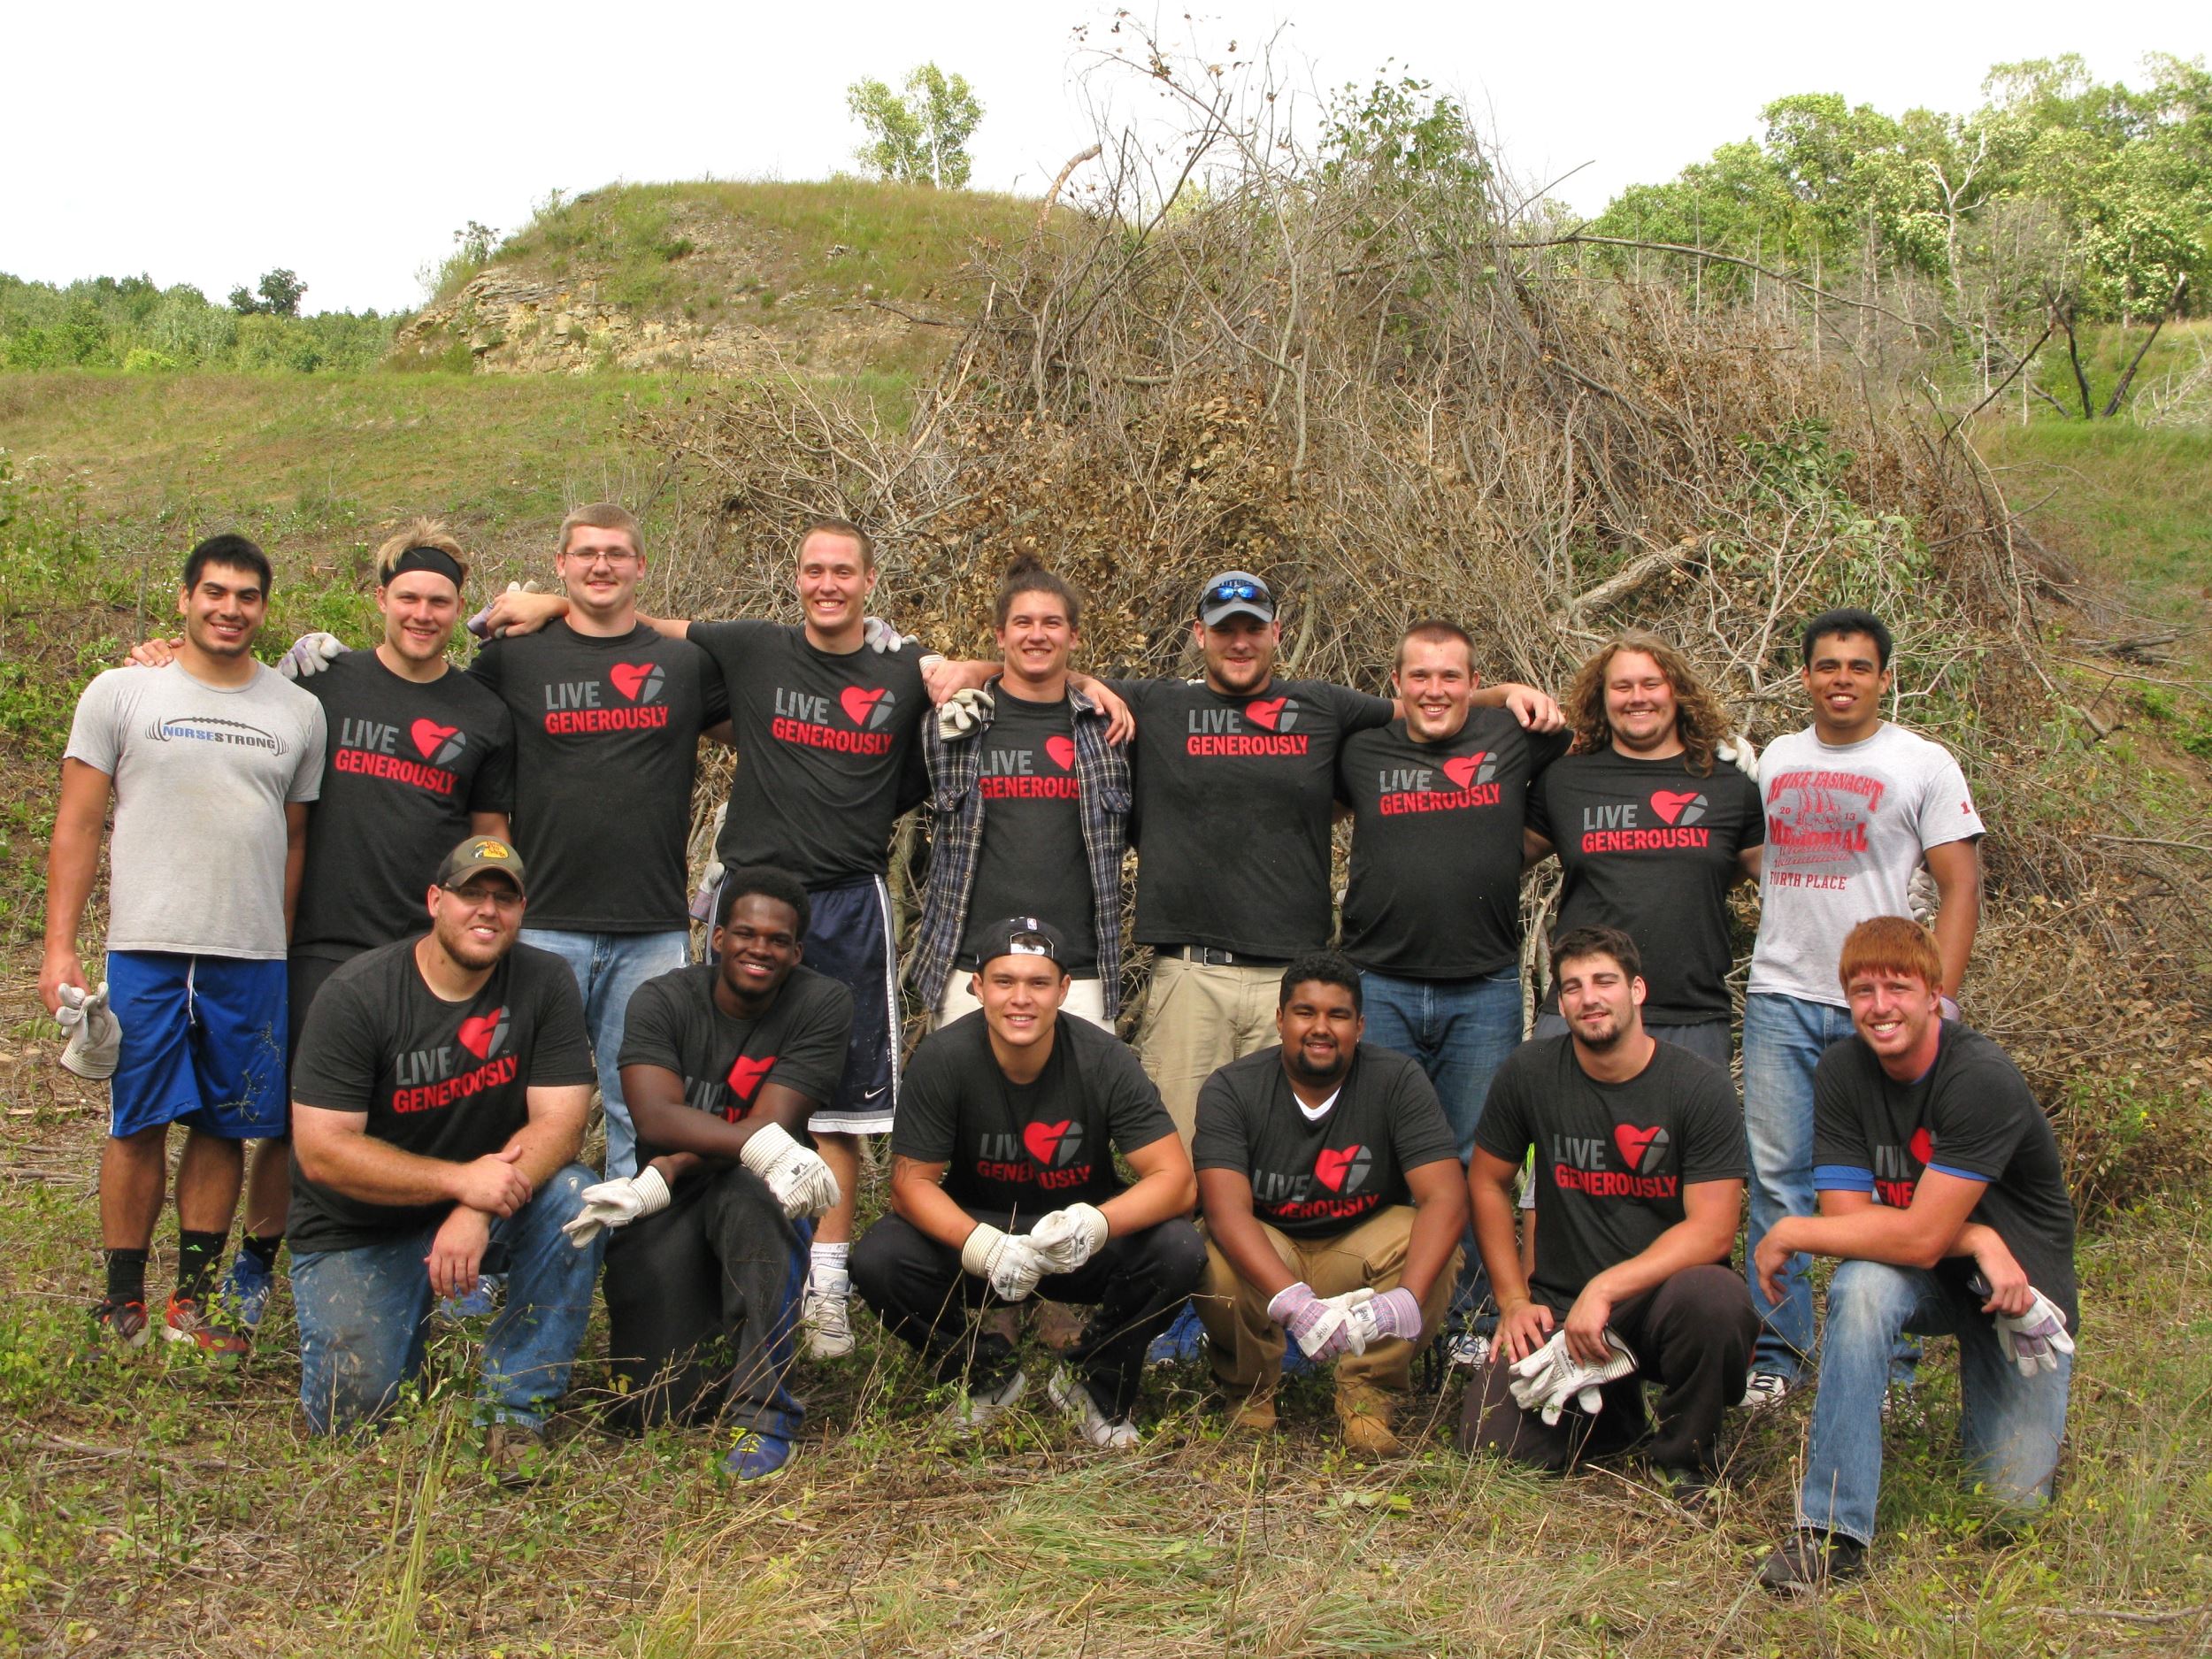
(198,1256)
(262,1247)
(126,1275)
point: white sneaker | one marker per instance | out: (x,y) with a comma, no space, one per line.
(1764,1388)
(827,1319)
(1069,1393)
(972,1413)
(1467,1349)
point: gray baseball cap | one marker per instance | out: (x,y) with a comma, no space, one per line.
(1231,594)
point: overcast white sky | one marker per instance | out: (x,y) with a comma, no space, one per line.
(207,145)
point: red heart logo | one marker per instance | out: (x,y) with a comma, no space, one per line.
(1465,769)
(745,1076)
(481,1034)
(858,704)
(1634,1142)
(430,736)
(1043,1140)
(1329,1166)
(1923,1146)
(1266,711)
(1668,805)
(1063,752)
(628,677)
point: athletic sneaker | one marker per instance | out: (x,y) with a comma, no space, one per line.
(1764,1388)
(972,1413)
(245,1293)
(473,1304)
(514,1454)
(1469,1349)
(757,1456)
(1812,1561)
(122,1324)
(1073,1396)
(1179,1341)
(827,1319)
(207,1329)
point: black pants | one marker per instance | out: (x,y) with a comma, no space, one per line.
(1137,1282)
(702,1302)
(1691,1336)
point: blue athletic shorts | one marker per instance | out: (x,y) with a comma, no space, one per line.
(203,1045)
(849,938)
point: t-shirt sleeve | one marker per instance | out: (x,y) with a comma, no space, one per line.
(94,737)
(1136,693)
(1753,833)
(714,688)
(1220,1138)
(1843,1155)
(1946,806)
(1418,1132)
(493,788)
(1545,747)
(811,1058)
(652,1027)
(1975,1119)
(489,666)
(561,1052)
(1540,807)
(1504,1130)
(307,777)
(1135,1116)
(928,1105)
(335,1067)
(1359,711)
(1712,1129)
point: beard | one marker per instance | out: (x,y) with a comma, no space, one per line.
(463,949)
(1306,1072)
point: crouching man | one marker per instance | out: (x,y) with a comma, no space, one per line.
(1334,1205)
(1639,1181)
(722,1064)
(1003,1182)
(439,1099)
(1942,1192)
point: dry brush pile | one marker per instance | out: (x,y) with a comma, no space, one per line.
(1374,388)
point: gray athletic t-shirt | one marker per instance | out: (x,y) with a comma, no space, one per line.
(1846,828)
(203,774)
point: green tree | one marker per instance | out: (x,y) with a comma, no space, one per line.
(279,295)
(921,137)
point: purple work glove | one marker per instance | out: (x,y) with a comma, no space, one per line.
(1322,1327)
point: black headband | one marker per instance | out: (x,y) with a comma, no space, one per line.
(436,560)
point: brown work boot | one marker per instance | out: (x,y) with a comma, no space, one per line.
(514,1454)
(1255,1416)
(1366,1415)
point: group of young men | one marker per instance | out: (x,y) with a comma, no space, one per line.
(450,903)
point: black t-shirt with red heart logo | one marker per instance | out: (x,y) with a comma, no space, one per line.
(1648,846)
(1611,1158)
(1234,799)
(606,747)
(1030,861)
(673,1023)
(1314,1178)
(829,749)
(1435,888)
(445,1080)
(408,763)
(1972,1116)
(1025,1148)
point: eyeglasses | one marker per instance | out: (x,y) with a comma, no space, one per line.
(588,557)
(474,894)
(1232,593)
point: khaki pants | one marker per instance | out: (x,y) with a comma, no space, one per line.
(1247,1345)
(1087,1000)
(1198,1017)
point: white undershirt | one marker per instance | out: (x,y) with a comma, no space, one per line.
(1315,1114)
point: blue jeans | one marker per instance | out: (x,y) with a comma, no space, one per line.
(364,1315)
(1460,1032)
(1784,1038)
(2009,1425)
(609,969)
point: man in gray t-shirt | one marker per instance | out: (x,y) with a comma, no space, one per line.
(211,762)
(1854,806)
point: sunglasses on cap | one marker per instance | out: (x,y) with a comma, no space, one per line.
(1237,592)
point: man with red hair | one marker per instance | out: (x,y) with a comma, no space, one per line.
(1942,1195)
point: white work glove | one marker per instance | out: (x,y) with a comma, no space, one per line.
(479,625)
(96,1036)
(1394,1313)
(702,901)
(617,1203)
(310,655)
(1552,1378)
(1322,1326)
(1003,1261)
(800,1181)
(883,635)
(1066,1239)
(2034,1340)
(1738,751)
(1922,897)
(960,713)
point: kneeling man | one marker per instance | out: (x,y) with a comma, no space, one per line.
(1334,1206)
(722,1064)
(1943,1194)
(438,1102)
(1003,1182)
(1639,1180)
